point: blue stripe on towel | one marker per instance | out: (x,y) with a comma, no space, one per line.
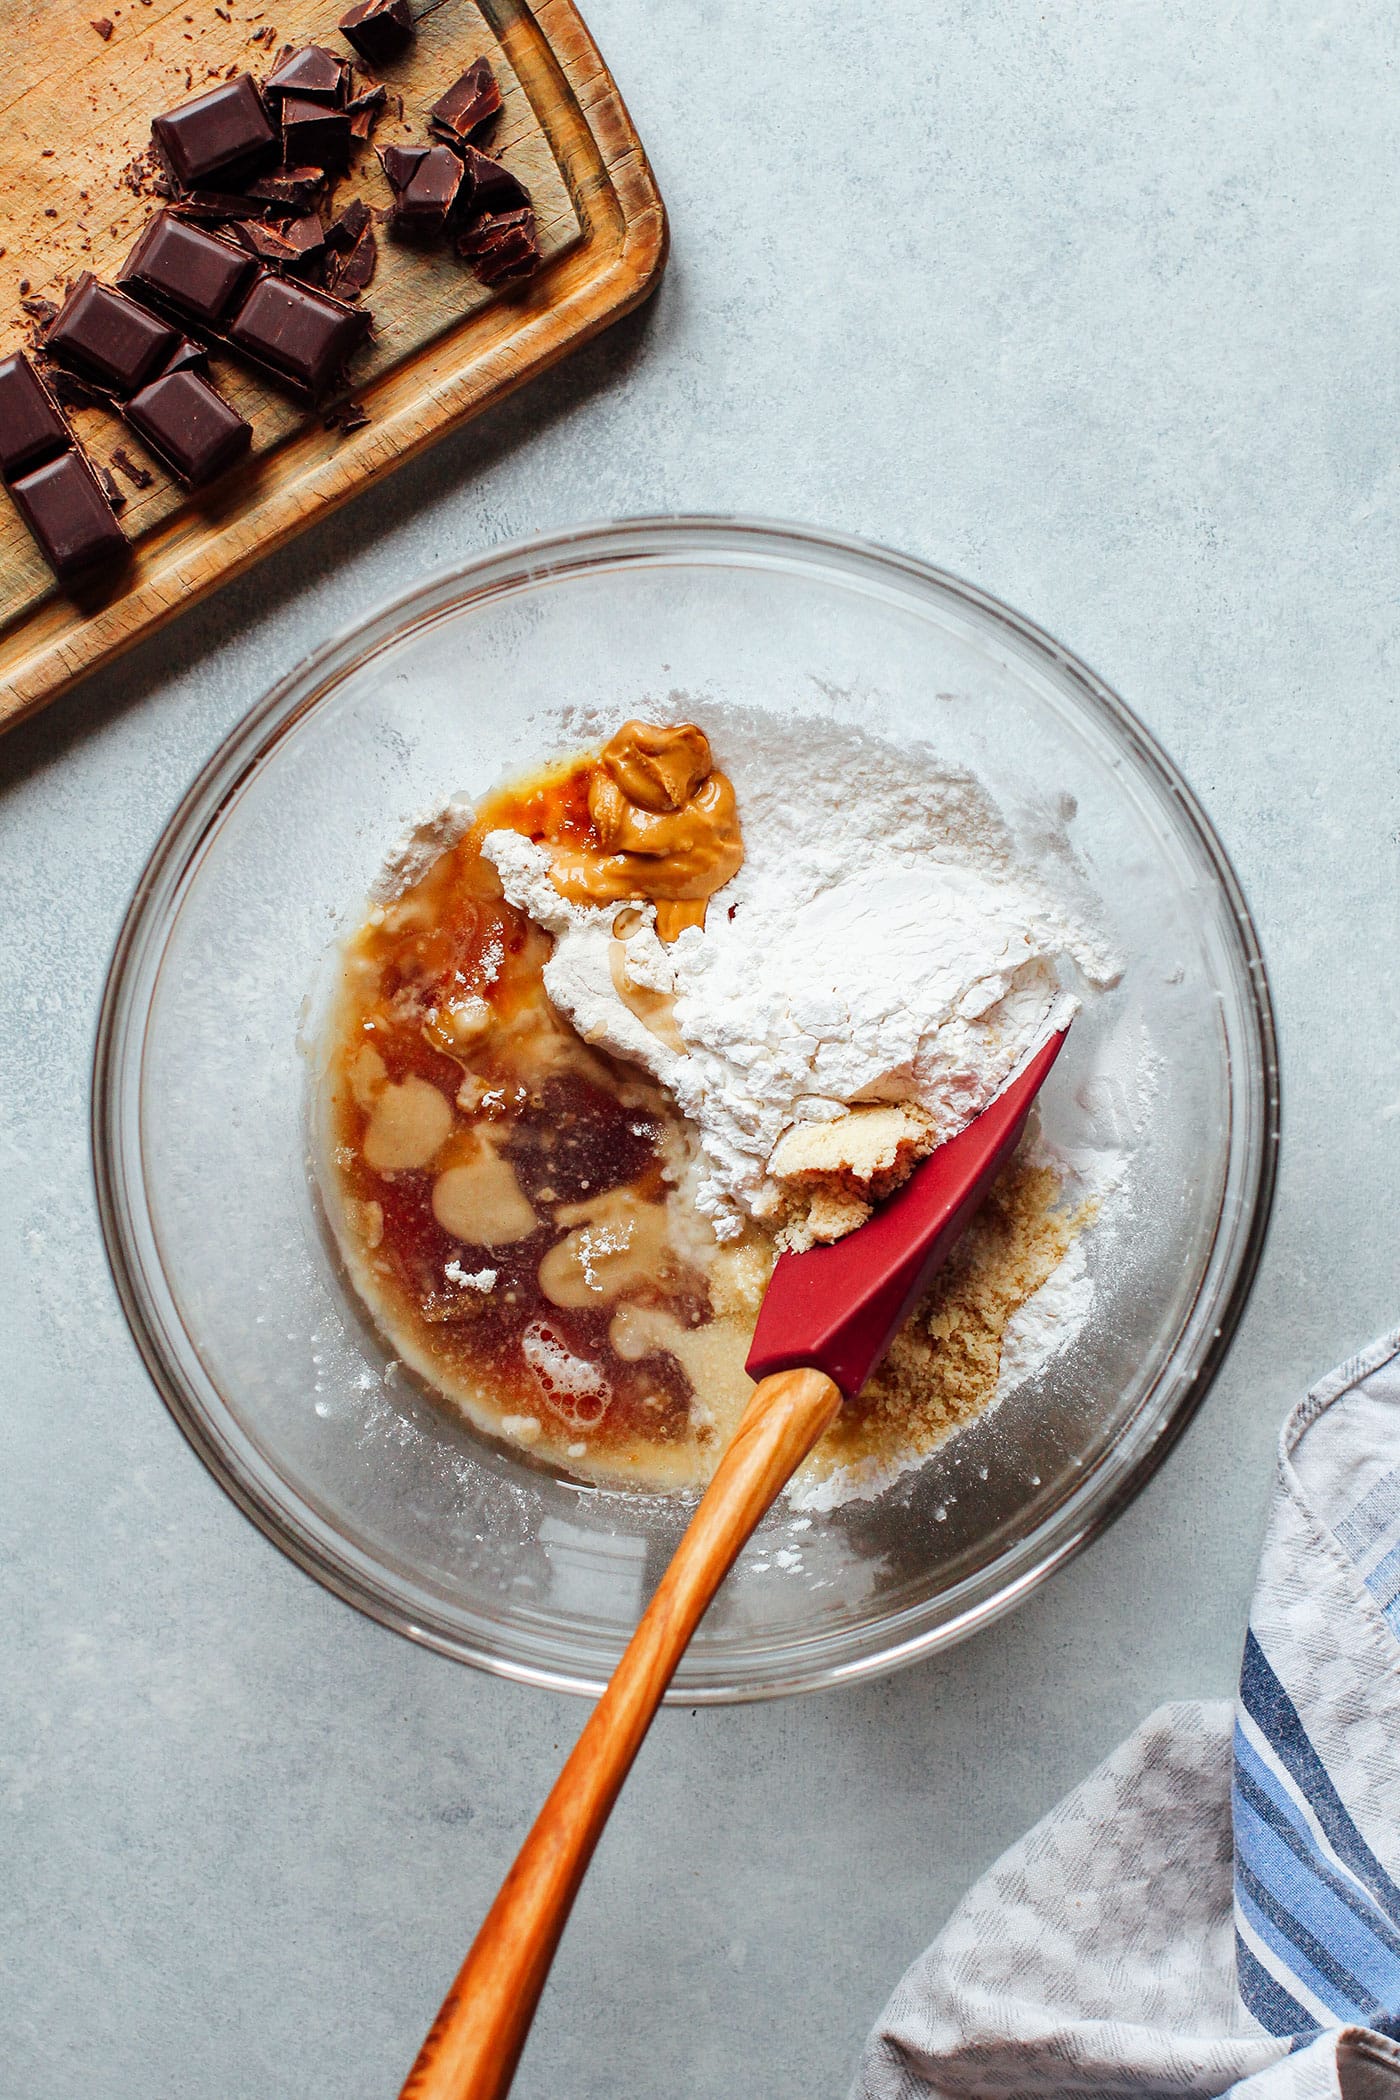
(1272,2006)
(1276,1717)
(1384,1580)
(1360,1967)
(1293,1948)
(1261,1788)
(1374,1513)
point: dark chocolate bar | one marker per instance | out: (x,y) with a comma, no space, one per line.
(300,333)
(225,129)
(189,425)
(183,266)
(314,135)
(314,72)
(377,29)
(32,426)
(472,98)
(64,506)
(108,336)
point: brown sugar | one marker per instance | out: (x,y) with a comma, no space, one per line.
(943,1365)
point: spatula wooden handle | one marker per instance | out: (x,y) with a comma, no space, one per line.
(477,2037)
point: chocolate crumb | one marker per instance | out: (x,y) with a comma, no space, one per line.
(139,477)
(346,416)
(23,286)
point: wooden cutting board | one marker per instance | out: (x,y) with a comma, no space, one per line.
(444,347)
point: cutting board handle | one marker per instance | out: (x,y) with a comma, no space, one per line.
(476,2040)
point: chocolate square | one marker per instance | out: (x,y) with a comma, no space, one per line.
(32,426)
(377,29)
(108,336)
(186,267)
(226,129)
(189,425)
(313,135)
(298,332)
(64,507)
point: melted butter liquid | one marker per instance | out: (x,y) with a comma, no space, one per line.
(508,1201)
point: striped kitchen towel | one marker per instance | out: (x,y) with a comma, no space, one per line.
(1197,1918)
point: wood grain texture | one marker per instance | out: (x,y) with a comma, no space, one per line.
(476,2040)
(445,346)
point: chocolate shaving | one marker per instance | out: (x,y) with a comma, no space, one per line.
(365,111)
(115,495)
(139,477)
(346,416)
(293,189)
(74,392)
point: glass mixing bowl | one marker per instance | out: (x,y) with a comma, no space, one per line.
(202,1085)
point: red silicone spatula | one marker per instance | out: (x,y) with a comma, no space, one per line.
(827,1319)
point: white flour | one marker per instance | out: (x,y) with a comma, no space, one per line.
(880,943)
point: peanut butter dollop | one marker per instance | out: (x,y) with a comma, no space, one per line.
(667,827)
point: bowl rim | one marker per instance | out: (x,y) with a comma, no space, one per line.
(357,1577)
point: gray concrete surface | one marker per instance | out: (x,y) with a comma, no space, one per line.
(1100,307)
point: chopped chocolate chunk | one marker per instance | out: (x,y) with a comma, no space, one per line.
(103,28)
(140,477)
(220,131)
(468,103)
(32,429)
(294,246)
(183,266)
(298,332)
(40,310)
(355,273)
(364,111)
(313,134)
(314,73)
(187,356)
(347,226)
(294,189)
(63,505)
(108,336)
(513,254)
(425,200)
(189,425)
(377,29)
(401,164)
(489,226)
(490,186)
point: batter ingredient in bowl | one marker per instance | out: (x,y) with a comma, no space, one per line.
(599,1052)
(880,950)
